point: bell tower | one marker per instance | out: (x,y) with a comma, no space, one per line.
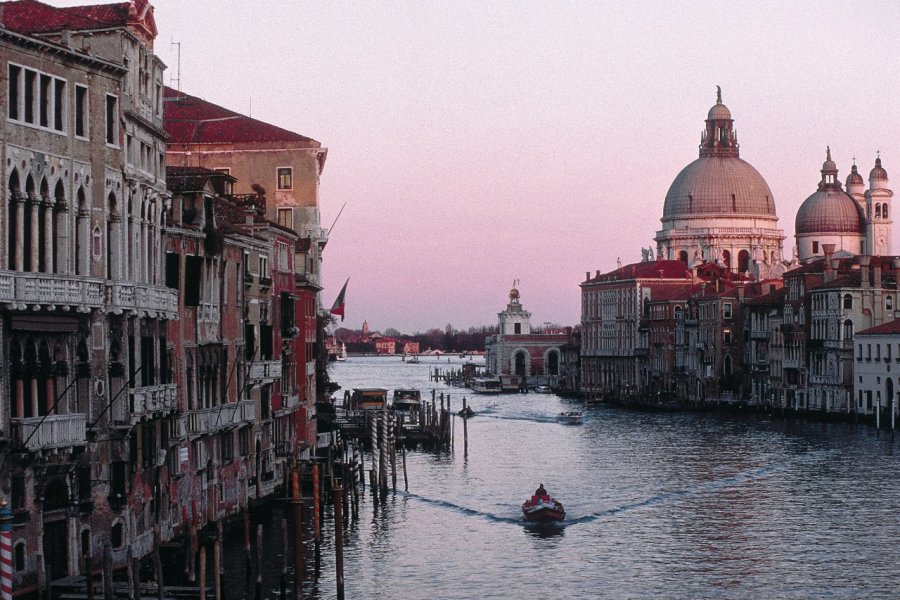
(878,212)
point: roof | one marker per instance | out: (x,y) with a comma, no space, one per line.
(191,179)
(772,298)
(190,120)
(33,17)
(719,185)
(889,328)
(830,211)
(660,269)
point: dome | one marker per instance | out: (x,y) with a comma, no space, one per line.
(513,294)
(719,112)
(830,210)
(854,178)
(878,173)
(717,185)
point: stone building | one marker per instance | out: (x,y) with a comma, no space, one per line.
(876,384)
(86,384)
(521,357)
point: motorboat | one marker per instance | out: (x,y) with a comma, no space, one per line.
(343,355)
(570,417)
(543,389)
(543,509)
(407,400)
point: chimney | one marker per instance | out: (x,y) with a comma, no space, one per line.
(66,38)
(587,275)
(598,272)
(828,249)
(864,262)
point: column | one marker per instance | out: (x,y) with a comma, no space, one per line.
(34,205)
(115,246)
(83,245)
(48,236)
(62,236)
(20,232)
(142,249)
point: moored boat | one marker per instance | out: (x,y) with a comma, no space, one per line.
(486,385)
(543,389)
(541,508)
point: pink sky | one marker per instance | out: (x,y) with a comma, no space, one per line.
(478,142)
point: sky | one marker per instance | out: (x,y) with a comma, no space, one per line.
(475,143)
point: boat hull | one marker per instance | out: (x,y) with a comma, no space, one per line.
(543,512)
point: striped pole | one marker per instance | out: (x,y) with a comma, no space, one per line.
(6,564)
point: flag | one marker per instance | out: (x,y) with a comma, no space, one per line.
(338,307)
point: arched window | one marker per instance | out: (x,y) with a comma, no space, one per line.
(112,216)
(28,231)
(81,233)
(877,211)
(889,302)
(14,208)
(848,329)
(727,366)
(743,261)
(848,301)
(520,364)
(646,306)
(553,363)
(884,211)
(56,496)
(726,259)
(20,556)
(683,256)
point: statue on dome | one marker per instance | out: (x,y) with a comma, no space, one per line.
(650,252)
(644,254)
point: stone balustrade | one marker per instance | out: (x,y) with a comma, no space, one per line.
(206,420)
(150,400)
(52,431)
(25,290)
(265,370)
(140,297)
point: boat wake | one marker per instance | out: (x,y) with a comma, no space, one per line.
(463,509)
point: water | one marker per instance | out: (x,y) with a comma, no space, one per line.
(658,505)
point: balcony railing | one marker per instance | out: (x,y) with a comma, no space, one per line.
(206,420)
(147,401)
(53,431)
(266,369)
(141,297)
(54,289)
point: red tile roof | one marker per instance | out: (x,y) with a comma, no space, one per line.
(190,120)
(659,269)
(891,327)
(33,17)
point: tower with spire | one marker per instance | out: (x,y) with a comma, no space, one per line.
(878,211)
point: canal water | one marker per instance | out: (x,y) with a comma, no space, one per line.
(658,505)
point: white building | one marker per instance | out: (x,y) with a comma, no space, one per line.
(877,372)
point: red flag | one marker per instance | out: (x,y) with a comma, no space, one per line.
(338,307)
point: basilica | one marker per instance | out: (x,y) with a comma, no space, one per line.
(721,315)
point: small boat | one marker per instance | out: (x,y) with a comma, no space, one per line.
(407,400)
(343,355)
(543,389)
(486,385)
(466,412)
(570,417)
(541,508)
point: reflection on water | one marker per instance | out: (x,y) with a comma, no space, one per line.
(667,505)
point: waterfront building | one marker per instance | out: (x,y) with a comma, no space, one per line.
(877,354)
(612,305)
(719,209)
(87,390)
(764,316)
(666,307)
(385,345)
(521,357)
(856,221)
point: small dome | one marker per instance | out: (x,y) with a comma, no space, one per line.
(719,112)
(854,178)
(878,173)
(514,294)
(830,210)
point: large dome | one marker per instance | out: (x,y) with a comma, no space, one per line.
(830,211)
(718,185)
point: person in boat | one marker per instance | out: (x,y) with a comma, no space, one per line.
(541,492)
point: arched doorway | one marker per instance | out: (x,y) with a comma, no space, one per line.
(56,530)
(743,261)
(519,364)
(553,363)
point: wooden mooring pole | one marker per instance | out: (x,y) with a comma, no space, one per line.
(284,557)
(298,536)
(317,522)
(259,547)
(338,543)
(202,578)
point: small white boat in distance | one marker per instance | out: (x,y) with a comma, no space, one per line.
(543,389)
(570,417)
(486,385)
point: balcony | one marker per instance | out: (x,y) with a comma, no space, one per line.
(291,401)
(143,299)
(147,402)
(208,420)
(53,431)
(50,289)
(265,370)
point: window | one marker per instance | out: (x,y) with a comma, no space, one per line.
(285,178)
(263,267)
(286,217)
(81,111)
(244,441)
(112,121)
(848,301)
(727,336)
(726,310)
(13,88)
(227,446)
(815,247)
(889,303)
(117,535)
(59,104)
(30,81)
(281,256)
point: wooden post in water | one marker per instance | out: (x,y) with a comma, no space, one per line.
(393,442)
(88,575)
(129,569)
(298,536)
(382,453)
(338,543)
(284,560)
(157,566)
(202,573)
(317,522)
(136,575)
(403,453)
(248,568)
(259,547)
(217,561)
(189,548)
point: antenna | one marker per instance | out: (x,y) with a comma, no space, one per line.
(176,79)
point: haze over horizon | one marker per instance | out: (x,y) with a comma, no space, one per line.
(478,143)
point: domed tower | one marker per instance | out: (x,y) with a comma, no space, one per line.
(515,320)
(720,209)
(830,216)
(878,213)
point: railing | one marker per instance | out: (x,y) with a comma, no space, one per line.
(208,312)
(266,369)
(145,401)
(143,297)
(310,368)
(292,401)
(206,420)
(53,431)
(50,288)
